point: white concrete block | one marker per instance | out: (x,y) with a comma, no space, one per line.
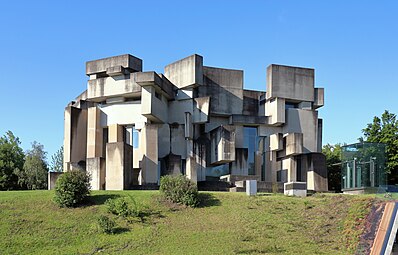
(298,189)
(251,187)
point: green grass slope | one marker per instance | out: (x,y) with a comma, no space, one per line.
(226,223)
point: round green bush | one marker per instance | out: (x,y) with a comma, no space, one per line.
(179,189)
(106,224)
(72,188)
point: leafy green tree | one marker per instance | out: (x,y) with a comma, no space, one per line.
(35,169)
(11,161)
(385,130)
(57,161)
(333,160)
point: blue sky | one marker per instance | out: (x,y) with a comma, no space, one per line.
(353,46)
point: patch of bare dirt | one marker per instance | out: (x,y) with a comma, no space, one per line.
(372,222)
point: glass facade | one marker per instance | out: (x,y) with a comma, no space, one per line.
(136,138)
(131,136)
(250,142)
(217,171)
(363,165)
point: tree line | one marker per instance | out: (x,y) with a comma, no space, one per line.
(25,170)
(382,129)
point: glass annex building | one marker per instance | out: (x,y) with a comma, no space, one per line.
(363,166)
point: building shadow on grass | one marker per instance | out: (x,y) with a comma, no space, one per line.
(207,200)
(120,230)
(100,199)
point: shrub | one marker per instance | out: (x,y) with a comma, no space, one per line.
(179,189)
(125,207)
(106,224)
(72,188)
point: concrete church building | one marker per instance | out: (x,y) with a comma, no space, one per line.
(130,127)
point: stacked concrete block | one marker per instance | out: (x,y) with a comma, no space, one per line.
(129,127)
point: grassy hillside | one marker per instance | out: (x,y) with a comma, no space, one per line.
(226,223)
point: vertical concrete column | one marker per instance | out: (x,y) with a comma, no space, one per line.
(272,166)
(310,180)
(191,170)
(266,160)
(114,173)
(67,138)
(149,149)
(319,135)
(75,136)
(290,165)
(200,152)
(95,164)
(114,166)
(257,163)
(115,133)
(275,110)
(188,126)
(146,100)
(190,167)
(94,133)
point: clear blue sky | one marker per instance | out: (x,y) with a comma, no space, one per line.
(353,45)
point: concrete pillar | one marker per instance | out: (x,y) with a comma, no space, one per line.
(119,166)
(191,162)
(95,164)
(310,180)
(272,166)
(191,169)
(149,150)
(67,138)
(257,163)
(188,126)
(96,169)
(114,166)
(115,133)
(94,133)
(75,136)
(290,165)
(146,100)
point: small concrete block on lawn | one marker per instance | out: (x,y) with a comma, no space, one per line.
(298,189)
(251,187)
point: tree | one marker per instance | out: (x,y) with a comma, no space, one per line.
(385,130)
(333,160)
(35,169)
(11,161)
(57,161)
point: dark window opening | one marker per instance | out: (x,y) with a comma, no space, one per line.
(289,105)
(158,96)
(299,170)
(105,141)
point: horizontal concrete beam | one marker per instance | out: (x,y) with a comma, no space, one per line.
(127,61)
(159,82)
(99,89)
(248,120)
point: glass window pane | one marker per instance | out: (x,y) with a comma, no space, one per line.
(135,138)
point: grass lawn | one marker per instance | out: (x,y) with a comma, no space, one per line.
(226,223)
